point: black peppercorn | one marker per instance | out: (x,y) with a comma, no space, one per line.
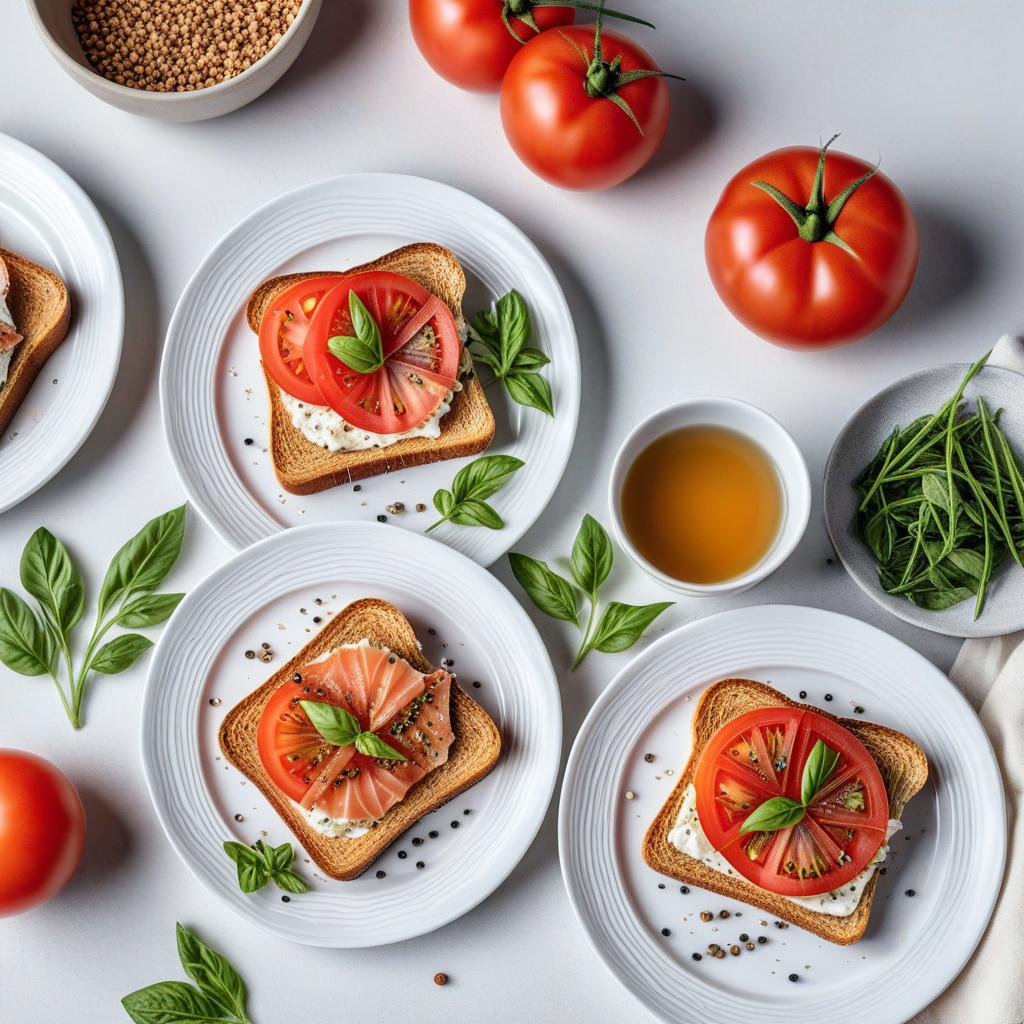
(794,977)
(382,518)
(382,874)
(803,695)
(828,696)
(665,932)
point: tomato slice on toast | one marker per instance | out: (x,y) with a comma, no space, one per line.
(761,756)
(420,344)
(283,334)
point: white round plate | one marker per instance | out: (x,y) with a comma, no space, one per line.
(46,216)
(951,850)
(212,388)
(267,594)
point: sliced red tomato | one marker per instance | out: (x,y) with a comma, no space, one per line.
(761,756)
(283,332)
(421,348)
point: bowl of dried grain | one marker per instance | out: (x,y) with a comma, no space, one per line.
(176,60)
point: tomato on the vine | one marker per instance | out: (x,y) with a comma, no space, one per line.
(584,110)
(471,42)
(806,276)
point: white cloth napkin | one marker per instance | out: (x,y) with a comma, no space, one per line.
(991,675)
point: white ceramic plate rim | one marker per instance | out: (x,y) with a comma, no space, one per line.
(453,566)
(904,1004)
(258,524)
(109,308)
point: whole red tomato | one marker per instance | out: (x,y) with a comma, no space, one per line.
(582,109)
(468,43)
(818,274)
(42,831)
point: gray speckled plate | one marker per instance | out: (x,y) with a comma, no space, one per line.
(856,445)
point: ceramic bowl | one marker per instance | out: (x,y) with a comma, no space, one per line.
(761,428)
(52,20)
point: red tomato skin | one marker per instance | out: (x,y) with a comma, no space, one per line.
(42,831)
(801,294)
(562,134)
(466,42)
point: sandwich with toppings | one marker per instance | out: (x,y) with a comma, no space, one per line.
(786,807)
(367,370)
(34,316)
(358,737)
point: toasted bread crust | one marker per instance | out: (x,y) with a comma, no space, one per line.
(473,754)
(41,308)
(901,761)
(468,428)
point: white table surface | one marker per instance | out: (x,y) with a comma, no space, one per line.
(928,87)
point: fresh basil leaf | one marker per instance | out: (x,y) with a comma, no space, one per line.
(289,881)
(485,355)
(50,576)
(444,501)
(26,646)
(513,327)
(362,351)
(484,476)
(216,978)
(335,724)
(485,327)
(818,769)
(777,813)
(148,610)
(531,390)
(530,359)
(171,1002)
(372,745)
(477,513)
(968,561)
(622,625)
(592,556)
(119,653)
(279,857)
(551,593)
(145,560)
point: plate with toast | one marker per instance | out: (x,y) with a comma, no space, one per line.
(61,319)
(337,355)
(369,696)
(777,810)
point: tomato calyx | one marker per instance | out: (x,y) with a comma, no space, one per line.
(815,221)
(604,78)
(523,11)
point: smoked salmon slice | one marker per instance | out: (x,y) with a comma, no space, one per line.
(407,709)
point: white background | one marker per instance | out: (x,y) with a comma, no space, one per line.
(931,88)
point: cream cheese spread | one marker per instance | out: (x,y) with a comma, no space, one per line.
(688,837)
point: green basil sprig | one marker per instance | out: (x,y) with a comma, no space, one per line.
(499,339)
(260,863)
(342,728)
(465,503)
(783,812)
(39,642)
(620,625)
(219,995)
(362,351)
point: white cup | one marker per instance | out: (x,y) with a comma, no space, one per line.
(760,427)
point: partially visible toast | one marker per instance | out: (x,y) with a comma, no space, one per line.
(303,467)
(473,753)
(901,761)
(41,309)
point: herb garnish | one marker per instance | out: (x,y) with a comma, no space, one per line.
(342,729)
(590,564)
(38,643)
(260,863)
(363,350)
(218,995)
(942,505)
(465,503)
(783,812)
(499,338)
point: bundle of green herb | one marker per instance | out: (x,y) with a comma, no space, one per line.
(942,504)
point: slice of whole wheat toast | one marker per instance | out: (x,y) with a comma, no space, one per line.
(41,309)
(303,467)
(473,753)
(901,761)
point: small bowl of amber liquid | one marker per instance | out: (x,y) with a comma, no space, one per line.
(710,496)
